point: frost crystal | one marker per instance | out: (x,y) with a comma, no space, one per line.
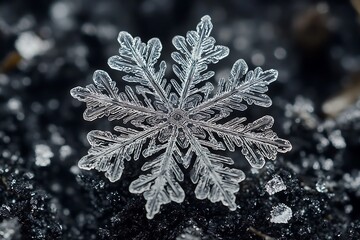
(281,214)
(275,185)
(178,121)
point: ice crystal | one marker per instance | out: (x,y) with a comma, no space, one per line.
(281,214)
(275,185)
(177,121)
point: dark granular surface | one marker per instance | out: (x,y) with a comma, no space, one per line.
(49,47)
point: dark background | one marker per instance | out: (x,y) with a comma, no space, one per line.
(48,47)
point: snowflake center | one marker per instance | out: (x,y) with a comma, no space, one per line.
(177,117)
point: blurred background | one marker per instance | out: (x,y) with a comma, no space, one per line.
(48,47)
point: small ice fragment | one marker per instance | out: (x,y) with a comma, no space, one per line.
(280,214)
(43,154)
(275,185)
(321,186)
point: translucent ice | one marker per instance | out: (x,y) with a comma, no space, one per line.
(178,121)
(276,184)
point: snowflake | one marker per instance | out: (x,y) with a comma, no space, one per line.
(179,123)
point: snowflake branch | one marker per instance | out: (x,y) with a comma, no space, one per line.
(139,58)
(203,51)
(215,182)
(106,147)
(234,91)
(103,99)
(257,140)
(161,186)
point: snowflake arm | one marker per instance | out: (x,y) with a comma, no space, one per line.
(160,186)
(231,93)
(139,59)
(214,181)
(102,99)
(256,139)
(108,152)
(197,50)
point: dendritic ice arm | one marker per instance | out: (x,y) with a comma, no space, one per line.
(103,99)
(256,139)
(108,152)
(161,185)
(139,59)
(196,51)
(214,181)
(231,93)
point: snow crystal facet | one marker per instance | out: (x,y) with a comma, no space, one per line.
(177,121)
(275,185)
(281,214)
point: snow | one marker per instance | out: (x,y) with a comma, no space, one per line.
(275,185)
(281,214)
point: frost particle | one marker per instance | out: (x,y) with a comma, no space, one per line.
(280,214)
(275,185)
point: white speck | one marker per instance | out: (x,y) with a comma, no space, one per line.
(280,53)
(349,209)
(241,43)
(30,45)
(258,59)
(14,104)
(337,139)
(53,104)
(322,7)
(65,151)
(275,185)
(4,79)
(280,214)
(75,170)
(321,186)
(60,10)
(327,164)
(56,137)
(43,154)
(6,154)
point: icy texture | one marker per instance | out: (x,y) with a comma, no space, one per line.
(281,214)
(178,121)
(275,185)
